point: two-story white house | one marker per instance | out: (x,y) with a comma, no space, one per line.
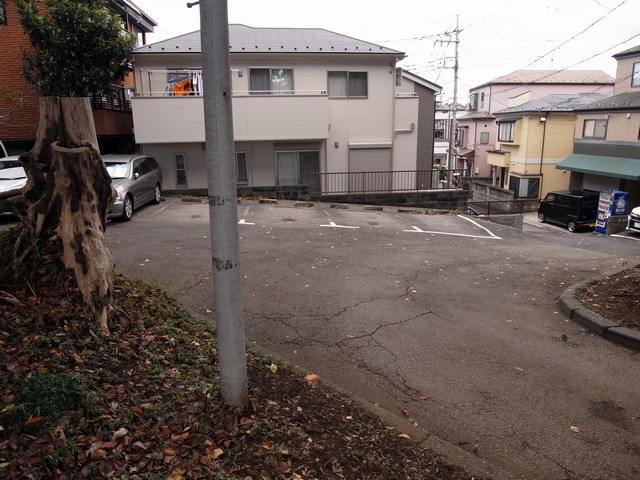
(305,101)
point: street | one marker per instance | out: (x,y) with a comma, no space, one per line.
(451,319)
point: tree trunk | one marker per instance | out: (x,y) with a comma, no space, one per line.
(67,198)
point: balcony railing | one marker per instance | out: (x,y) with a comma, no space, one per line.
(113,99)
(386,181)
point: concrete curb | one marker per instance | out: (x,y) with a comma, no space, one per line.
(604,327)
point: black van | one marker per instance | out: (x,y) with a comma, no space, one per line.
(576,209)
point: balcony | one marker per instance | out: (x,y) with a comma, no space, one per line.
(177,119)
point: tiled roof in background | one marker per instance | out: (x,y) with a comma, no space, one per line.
(244,39)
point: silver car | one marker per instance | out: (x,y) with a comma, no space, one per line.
(12,175)
(137,179)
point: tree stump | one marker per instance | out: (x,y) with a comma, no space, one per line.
(67,198)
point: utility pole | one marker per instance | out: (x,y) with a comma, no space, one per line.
(454,108)
(223,202)
(451,156)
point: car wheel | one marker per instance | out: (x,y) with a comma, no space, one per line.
(571,226)
(156,196)
(127,208)
(541,218)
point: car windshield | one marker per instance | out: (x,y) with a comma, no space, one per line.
(118,170)
(9,164)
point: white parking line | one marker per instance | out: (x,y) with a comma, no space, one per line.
(478,225)
(490,237)
(333,224)
(625,236)
(243,222)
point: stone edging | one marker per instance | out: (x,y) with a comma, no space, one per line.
(606,328)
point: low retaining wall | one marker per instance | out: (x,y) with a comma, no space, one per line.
(453,199)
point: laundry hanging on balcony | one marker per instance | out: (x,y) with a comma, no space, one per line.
(181,83)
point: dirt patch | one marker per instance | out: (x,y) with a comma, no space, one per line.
(616,297)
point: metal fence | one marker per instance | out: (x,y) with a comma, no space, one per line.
(503,207)
(385,181)
(113,99)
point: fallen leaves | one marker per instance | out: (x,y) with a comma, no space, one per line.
(159,413)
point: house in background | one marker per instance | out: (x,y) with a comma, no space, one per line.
(305,101)
(606,146)
(426,91)
(533,137)
(479,123)
(19,101)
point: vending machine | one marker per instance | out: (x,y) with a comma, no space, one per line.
(612,211)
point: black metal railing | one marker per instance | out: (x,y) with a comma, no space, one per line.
(113,99)
(517,206)
(386,181)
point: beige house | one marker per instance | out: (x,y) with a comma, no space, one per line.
(305,101)
(479,123)
(606,145)
(533,137)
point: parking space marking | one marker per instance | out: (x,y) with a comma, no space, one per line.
(625,236)
(243,222)
(490,237)
(333,224)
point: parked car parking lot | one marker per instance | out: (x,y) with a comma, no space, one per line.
(137,180)
(12,175)
(575,209)
(634,220)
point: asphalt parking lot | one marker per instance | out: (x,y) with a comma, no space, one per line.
(450,319)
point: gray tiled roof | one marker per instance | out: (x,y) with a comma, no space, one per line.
(564,102)
(630,52)
(622,101)
(553,76)
(244,39)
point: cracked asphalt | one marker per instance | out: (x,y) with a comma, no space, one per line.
(451,319)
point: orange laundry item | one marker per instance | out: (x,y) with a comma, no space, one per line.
(185,87)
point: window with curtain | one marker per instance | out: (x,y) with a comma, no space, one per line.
(295,168)
(271,81)
(347,84)
(635,75)
(506,131)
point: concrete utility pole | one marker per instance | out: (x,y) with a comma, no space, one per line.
(223,209)
(451,156)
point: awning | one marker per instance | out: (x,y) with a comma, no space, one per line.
(627,168)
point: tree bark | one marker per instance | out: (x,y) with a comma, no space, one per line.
(67,198)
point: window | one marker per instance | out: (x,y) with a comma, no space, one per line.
(482,100)
(594,129)
(271,81)
(506,131)
(525,187)
(484,138)
(347,84)
(441,130)
(635,75)
(295,168)
(242,172)
(473,102)
(181,169)
(3,18)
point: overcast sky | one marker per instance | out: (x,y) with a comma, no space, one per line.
(496,36)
